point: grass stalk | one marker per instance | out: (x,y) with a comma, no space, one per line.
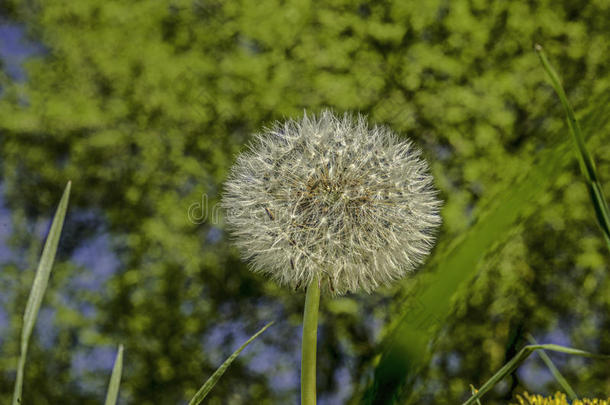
(115,379)
(556,373)
(209,384)
(41,279)
(587,165)
(516,361)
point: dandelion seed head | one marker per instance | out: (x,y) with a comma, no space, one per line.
(332,199)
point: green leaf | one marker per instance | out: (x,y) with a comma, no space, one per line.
(523,354)
(587,165)
(38,288)
(406,347)
(115,379)
(209,384)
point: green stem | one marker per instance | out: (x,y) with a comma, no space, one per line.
(309,344)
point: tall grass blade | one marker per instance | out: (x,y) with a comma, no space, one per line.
(556,373)
(405,349)
(523,354)
(587,165)
(38,288)
(209,384)
(115,379)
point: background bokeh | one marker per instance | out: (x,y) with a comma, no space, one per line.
(144,105)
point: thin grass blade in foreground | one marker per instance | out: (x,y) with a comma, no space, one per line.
(523,354)
(115,379)
(38,288)
(209,384)
(455,262)
(556,373)
(587,165)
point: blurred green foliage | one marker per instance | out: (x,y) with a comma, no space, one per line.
(456,260)
(144,104)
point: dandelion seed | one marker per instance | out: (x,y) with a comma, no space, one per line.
(331,198)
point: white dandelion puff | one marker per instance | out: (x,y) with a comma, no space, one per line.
(331,199)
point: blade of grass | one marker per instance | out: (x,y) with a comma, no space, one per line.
(587,165)
(407,345)
(523,354)
(38,288)
(115,379)
(558,376)
(209,384)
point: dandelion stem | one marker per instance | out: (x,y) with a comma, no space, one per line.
(309,344)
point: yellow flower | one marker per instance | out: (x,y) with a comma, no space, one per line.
(558,399)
